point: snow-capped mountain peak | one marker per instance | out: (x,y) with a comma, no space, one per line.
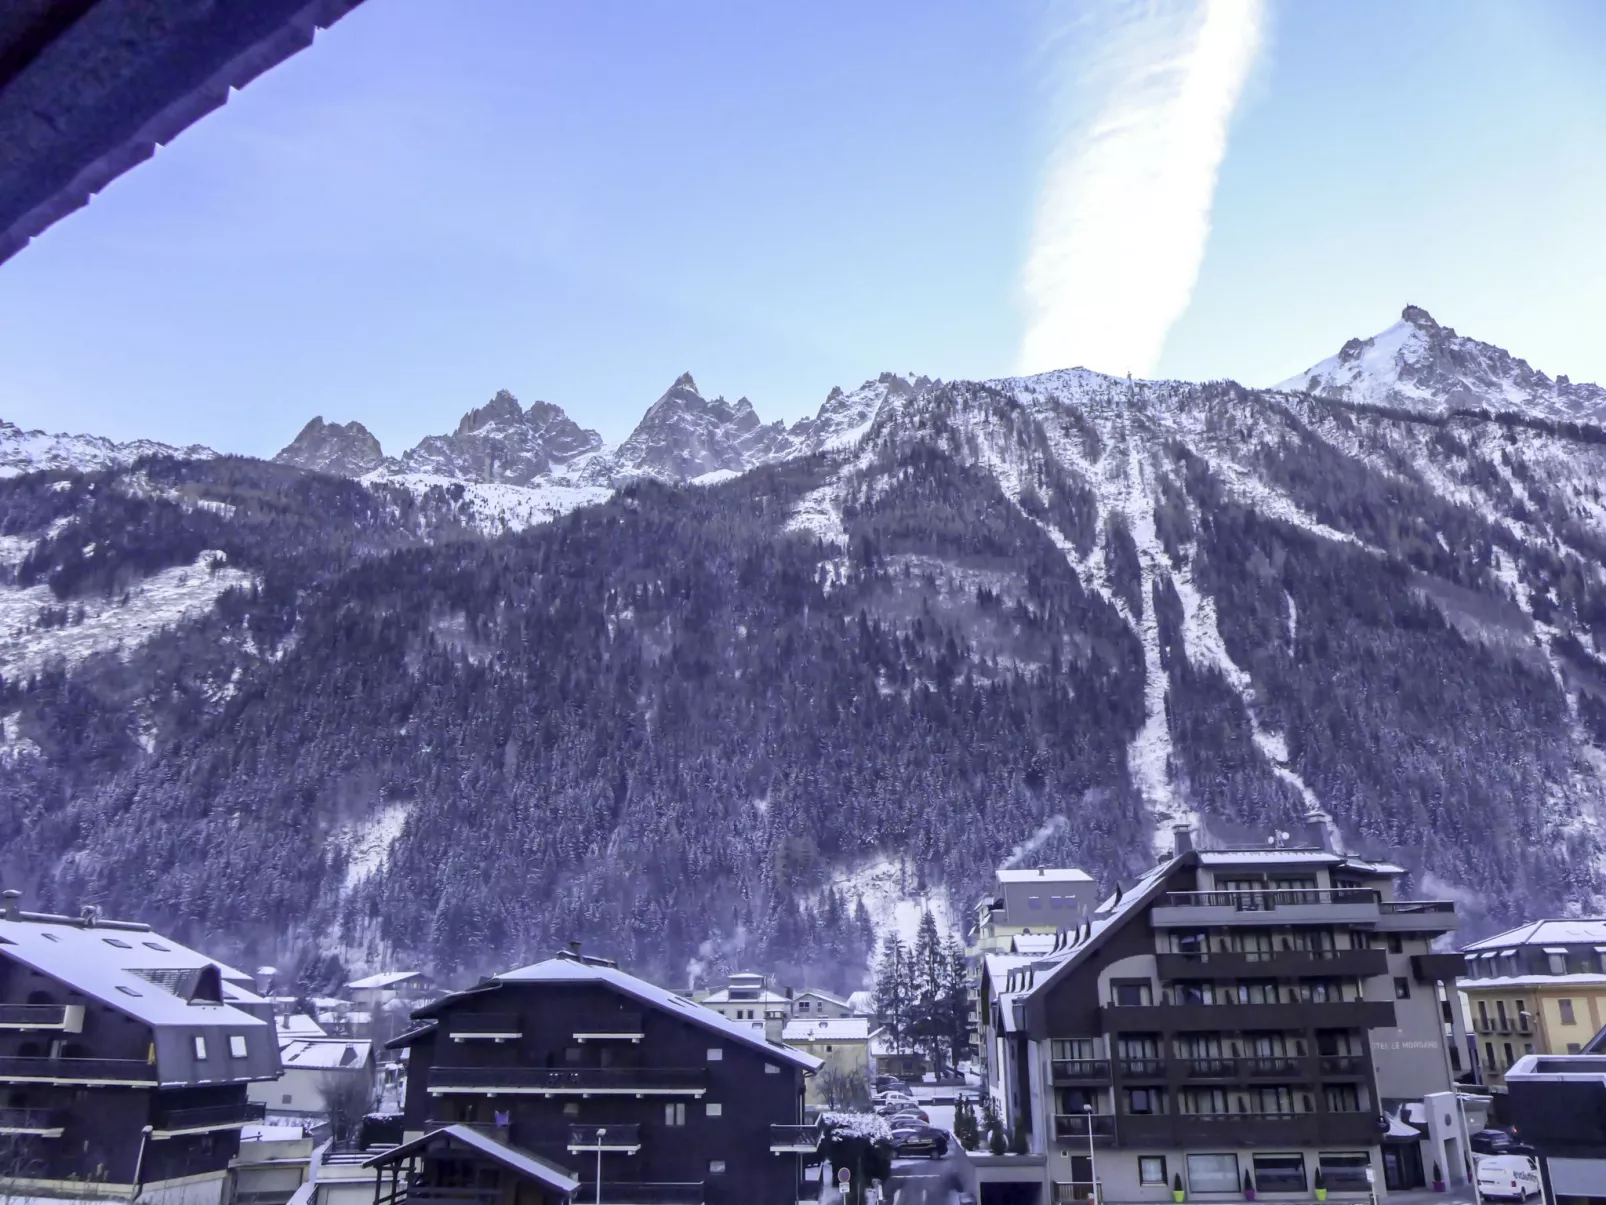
(1420,366)
(345,449)
(31,451)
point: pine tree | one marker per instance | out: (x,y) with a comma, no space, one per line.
(966,1129)
(892,989)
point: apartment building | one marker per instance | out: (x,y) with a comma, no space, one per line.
(1537,989)
(1036,901)
(572,1073)
(749,997)
(1235,1017)
(125,1060)
(842,1044)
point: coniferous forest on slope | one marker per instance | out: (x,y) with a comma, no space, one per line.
(668,723)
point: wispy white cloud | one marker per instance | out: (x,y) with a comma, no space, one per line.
(1145,96)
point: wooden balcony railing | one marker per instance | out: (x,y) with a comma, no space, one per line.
(29,1069)
(32,1121)
(572,1081)
(208,1117)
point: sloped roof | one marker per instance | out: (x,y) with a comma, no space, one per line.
(1571,930)
(569,970)
(383,979)
(328,1054)
(525,1163)
(123,966)
(1068,875)
(827,1029)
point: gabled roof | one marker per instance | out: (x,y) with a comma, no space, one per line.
(1572,930)
(823,995)
(127,967)
(723,996)
(569,970)
(522,1162)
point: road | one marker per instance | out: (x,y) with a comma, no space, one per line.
(946,1181)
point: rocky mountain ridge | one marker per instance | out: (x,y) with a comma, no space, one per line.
(31,451)
(940,620)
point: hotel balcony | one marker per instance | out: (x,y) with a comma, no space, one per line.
(619,1138)
(58,1018)
(1301,1015)
(1274,964)
(38,1123)
(174,1123)
(75,1072)
(569,1081)
(617,1027)
(1081,1071)
(1246,1129)
(1205,909)
(794,1139)
(485,1027)
(1074,1127)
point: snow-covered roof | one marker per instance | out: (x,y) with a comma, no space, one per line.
(1572,930)
(1275,857)
(382,980)
(123,966)
(1044,876)
(822,995)
(525,1163)
(568,970)
(328,1054)
(862,1002)
(1033,944)
(298,1025)
(1484,982)
(1368,866)
(271,1133)
(828,1029)
(723,996)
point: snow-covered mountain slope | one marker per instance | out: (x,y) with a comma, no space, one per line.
(502,442)
(935,622)
(31,451)
(1420,366)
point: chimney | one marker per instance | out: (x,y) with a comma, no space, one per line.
(1316,828)
(88,916)
(11,910)
(1039,872)
(571,952)
(1181,840)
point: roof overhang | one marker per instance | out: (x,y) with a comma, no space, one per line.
(89,88)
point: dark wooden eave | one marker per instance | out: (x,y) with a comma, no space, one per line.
(89,88)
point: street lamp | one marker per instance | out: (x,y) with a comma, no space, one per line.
(601,1134)
(1092,1160)
(1467,1153)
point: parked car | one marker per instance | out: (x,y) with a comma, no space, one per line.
(892,1100)
(884,1083)
(919,1139)
(1490,1142)
(1501,1177)
(909,1113)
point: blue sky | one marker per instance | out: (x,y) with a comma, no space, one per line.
(578,202)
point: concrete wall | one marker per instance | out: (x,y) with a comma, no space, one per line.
(845,1057)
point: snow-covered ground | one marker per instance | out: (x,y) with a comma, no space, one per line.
(366,843)
(161,601)
(893,899)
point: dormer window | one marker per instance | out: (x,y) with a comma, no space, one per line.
(156,945)
(1557,959)
(118,942)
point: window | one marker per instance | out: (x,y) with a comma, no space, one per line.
(1489,1050)
(128,991)
(156,945)
(571,1108)
(716,1167)
(675,1113)
(1573,1048)
(237,1045)
(1144,1100)
(1394,944)
(1402,988)
(1341,1098)
(1151,1169)
(1034,901)
(1280,1173)
(1138,994)
(1558,963)
(715,1109)
(828,1048)
(118,942)
(1214,1173)
(1344,1171)
(200,1047)
(771,1069)
(715,1054)
(573,1054)
(1566,1007)
(285,1099)
(1510,1058)
(1056,901)
(1193,991)
(802,1006)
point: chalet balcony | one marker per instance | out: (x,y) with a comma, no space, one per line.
(59,1018)
(794,1139)
(620,1138)
(1246,1129)
(613,1027)
(173,1123)
(1081,1071)
(616,1192)
(492,1027)
(40,1123)
(75,1072)
(1417,916)
(569,1081)
(1074,1127)
(1274,964)
(1341,1066)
